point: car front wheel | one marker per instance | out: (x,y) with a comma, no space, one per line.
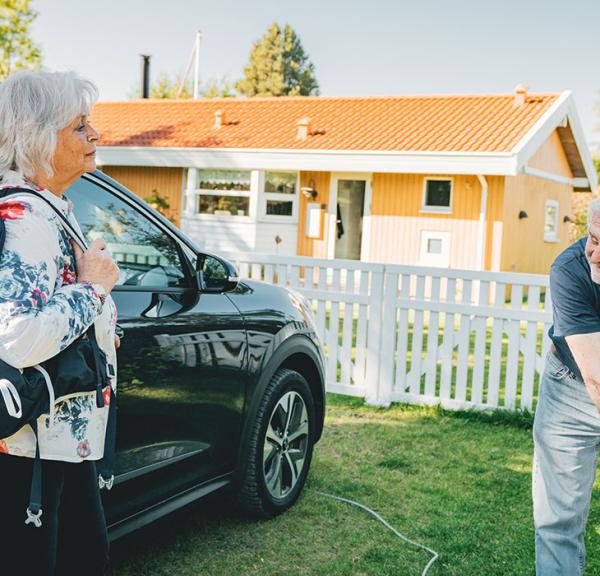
(280,446)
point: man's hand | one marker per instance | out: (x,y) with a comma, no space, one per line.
(586,352)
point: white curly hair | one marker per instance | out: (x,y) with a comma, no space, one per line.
(34,106)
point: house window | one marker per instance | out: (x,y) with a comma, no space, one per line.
(280,194)
(223,192)
(434,246)
(551,221)
(437,195)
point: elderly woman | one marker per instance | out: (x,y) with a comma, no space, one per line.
(51,292)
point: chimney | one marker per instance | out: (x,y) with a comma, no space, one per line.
(303,129)
(145,75)
(520,94)
(219,119)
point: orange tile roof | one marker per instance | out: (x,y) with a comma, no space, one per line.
(474,123)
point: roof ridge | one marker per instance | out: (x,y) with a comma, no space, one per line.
(321,98)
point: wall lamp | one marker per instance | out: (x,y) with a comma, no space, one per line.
(309,191)
(523,214)
(567,218)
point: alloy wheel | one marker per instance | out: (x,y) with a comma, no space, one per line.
(286,444)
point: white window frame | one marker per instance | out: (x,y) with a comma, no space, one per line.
(251,194)
(264,196)
(436,209)
(551,236)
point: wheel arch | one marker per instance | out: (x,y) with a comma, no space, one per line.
(297,353)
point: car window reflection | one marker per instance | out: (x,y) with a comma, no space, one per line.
(145,255)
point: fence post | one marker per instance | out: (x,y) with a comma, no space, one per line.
(374,339)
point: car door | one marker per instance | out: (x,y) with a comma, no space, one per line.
(180,364)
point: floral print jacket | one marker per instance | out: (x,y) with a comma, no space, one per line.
(42,310)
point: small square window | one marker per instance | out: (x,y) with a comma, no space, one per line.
(438,195)
(434,246)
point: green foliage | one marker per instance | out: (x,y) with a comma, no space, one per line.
(17,49)
(279,66)
(581,201)
(166,86)
(157,201)
(218,88)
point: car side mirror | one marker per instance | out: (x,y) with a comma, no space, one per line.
(215,275)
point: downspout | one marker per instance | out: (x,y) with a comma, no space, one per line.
(482,222)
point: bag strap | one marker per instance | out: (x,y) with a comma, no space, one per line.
(69,228)
(106,465)
(34,509)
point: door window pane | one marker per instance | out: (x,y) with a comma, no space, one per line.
(349,218)
(146,256)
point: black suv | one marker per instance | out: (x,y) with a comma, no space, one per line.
(220,381)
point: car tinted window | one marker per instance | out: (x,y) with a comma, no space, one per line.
(146,256)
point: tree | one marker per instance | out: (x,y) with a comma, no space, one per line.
(279,66)
(167,87)
(17,49)
(581,201)
(218,88)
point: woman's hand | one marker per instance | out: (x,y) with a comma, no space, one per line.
(95,265)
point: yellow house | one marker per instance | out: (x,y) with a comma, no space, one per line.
(463,181)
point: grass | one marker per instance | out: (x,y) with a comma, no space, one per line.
(456,482)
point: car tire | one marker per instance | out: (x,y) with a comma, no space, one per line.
(279,448)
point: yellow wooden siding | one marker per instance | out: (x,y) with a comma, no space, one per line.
(551,157)
(142,181)
(315,247)
(523,246)
(397,219)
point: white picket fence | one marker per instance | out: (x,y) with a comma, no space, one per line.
(459,338)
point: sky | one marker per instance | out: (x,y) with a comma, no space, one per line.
(358,47)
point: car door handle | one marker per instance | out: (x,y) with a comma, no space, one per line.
(119,331)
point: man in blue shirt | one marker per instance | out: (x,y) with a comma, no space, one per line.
(566,431)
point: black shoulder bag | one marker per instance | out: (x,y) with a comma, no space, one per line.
(27,394)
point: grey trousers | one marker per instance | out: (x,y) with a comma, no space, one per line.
(566,435)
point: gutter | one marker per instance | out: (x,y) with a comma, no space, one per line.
(482,222)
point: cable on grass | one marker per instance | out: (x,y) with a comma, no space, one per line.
(387,525)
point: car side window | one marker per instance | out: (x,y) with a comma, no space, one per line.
(146,256)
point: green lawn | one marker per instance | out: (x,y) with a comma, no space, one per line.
(456,482)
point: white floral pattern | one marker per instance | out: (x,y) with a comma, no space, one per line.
(42,310)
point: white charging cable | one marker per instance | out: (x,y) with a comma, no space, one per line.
(387,525)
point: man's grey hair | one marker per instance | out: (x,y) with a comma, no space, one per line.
(593,210)
(34,106)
